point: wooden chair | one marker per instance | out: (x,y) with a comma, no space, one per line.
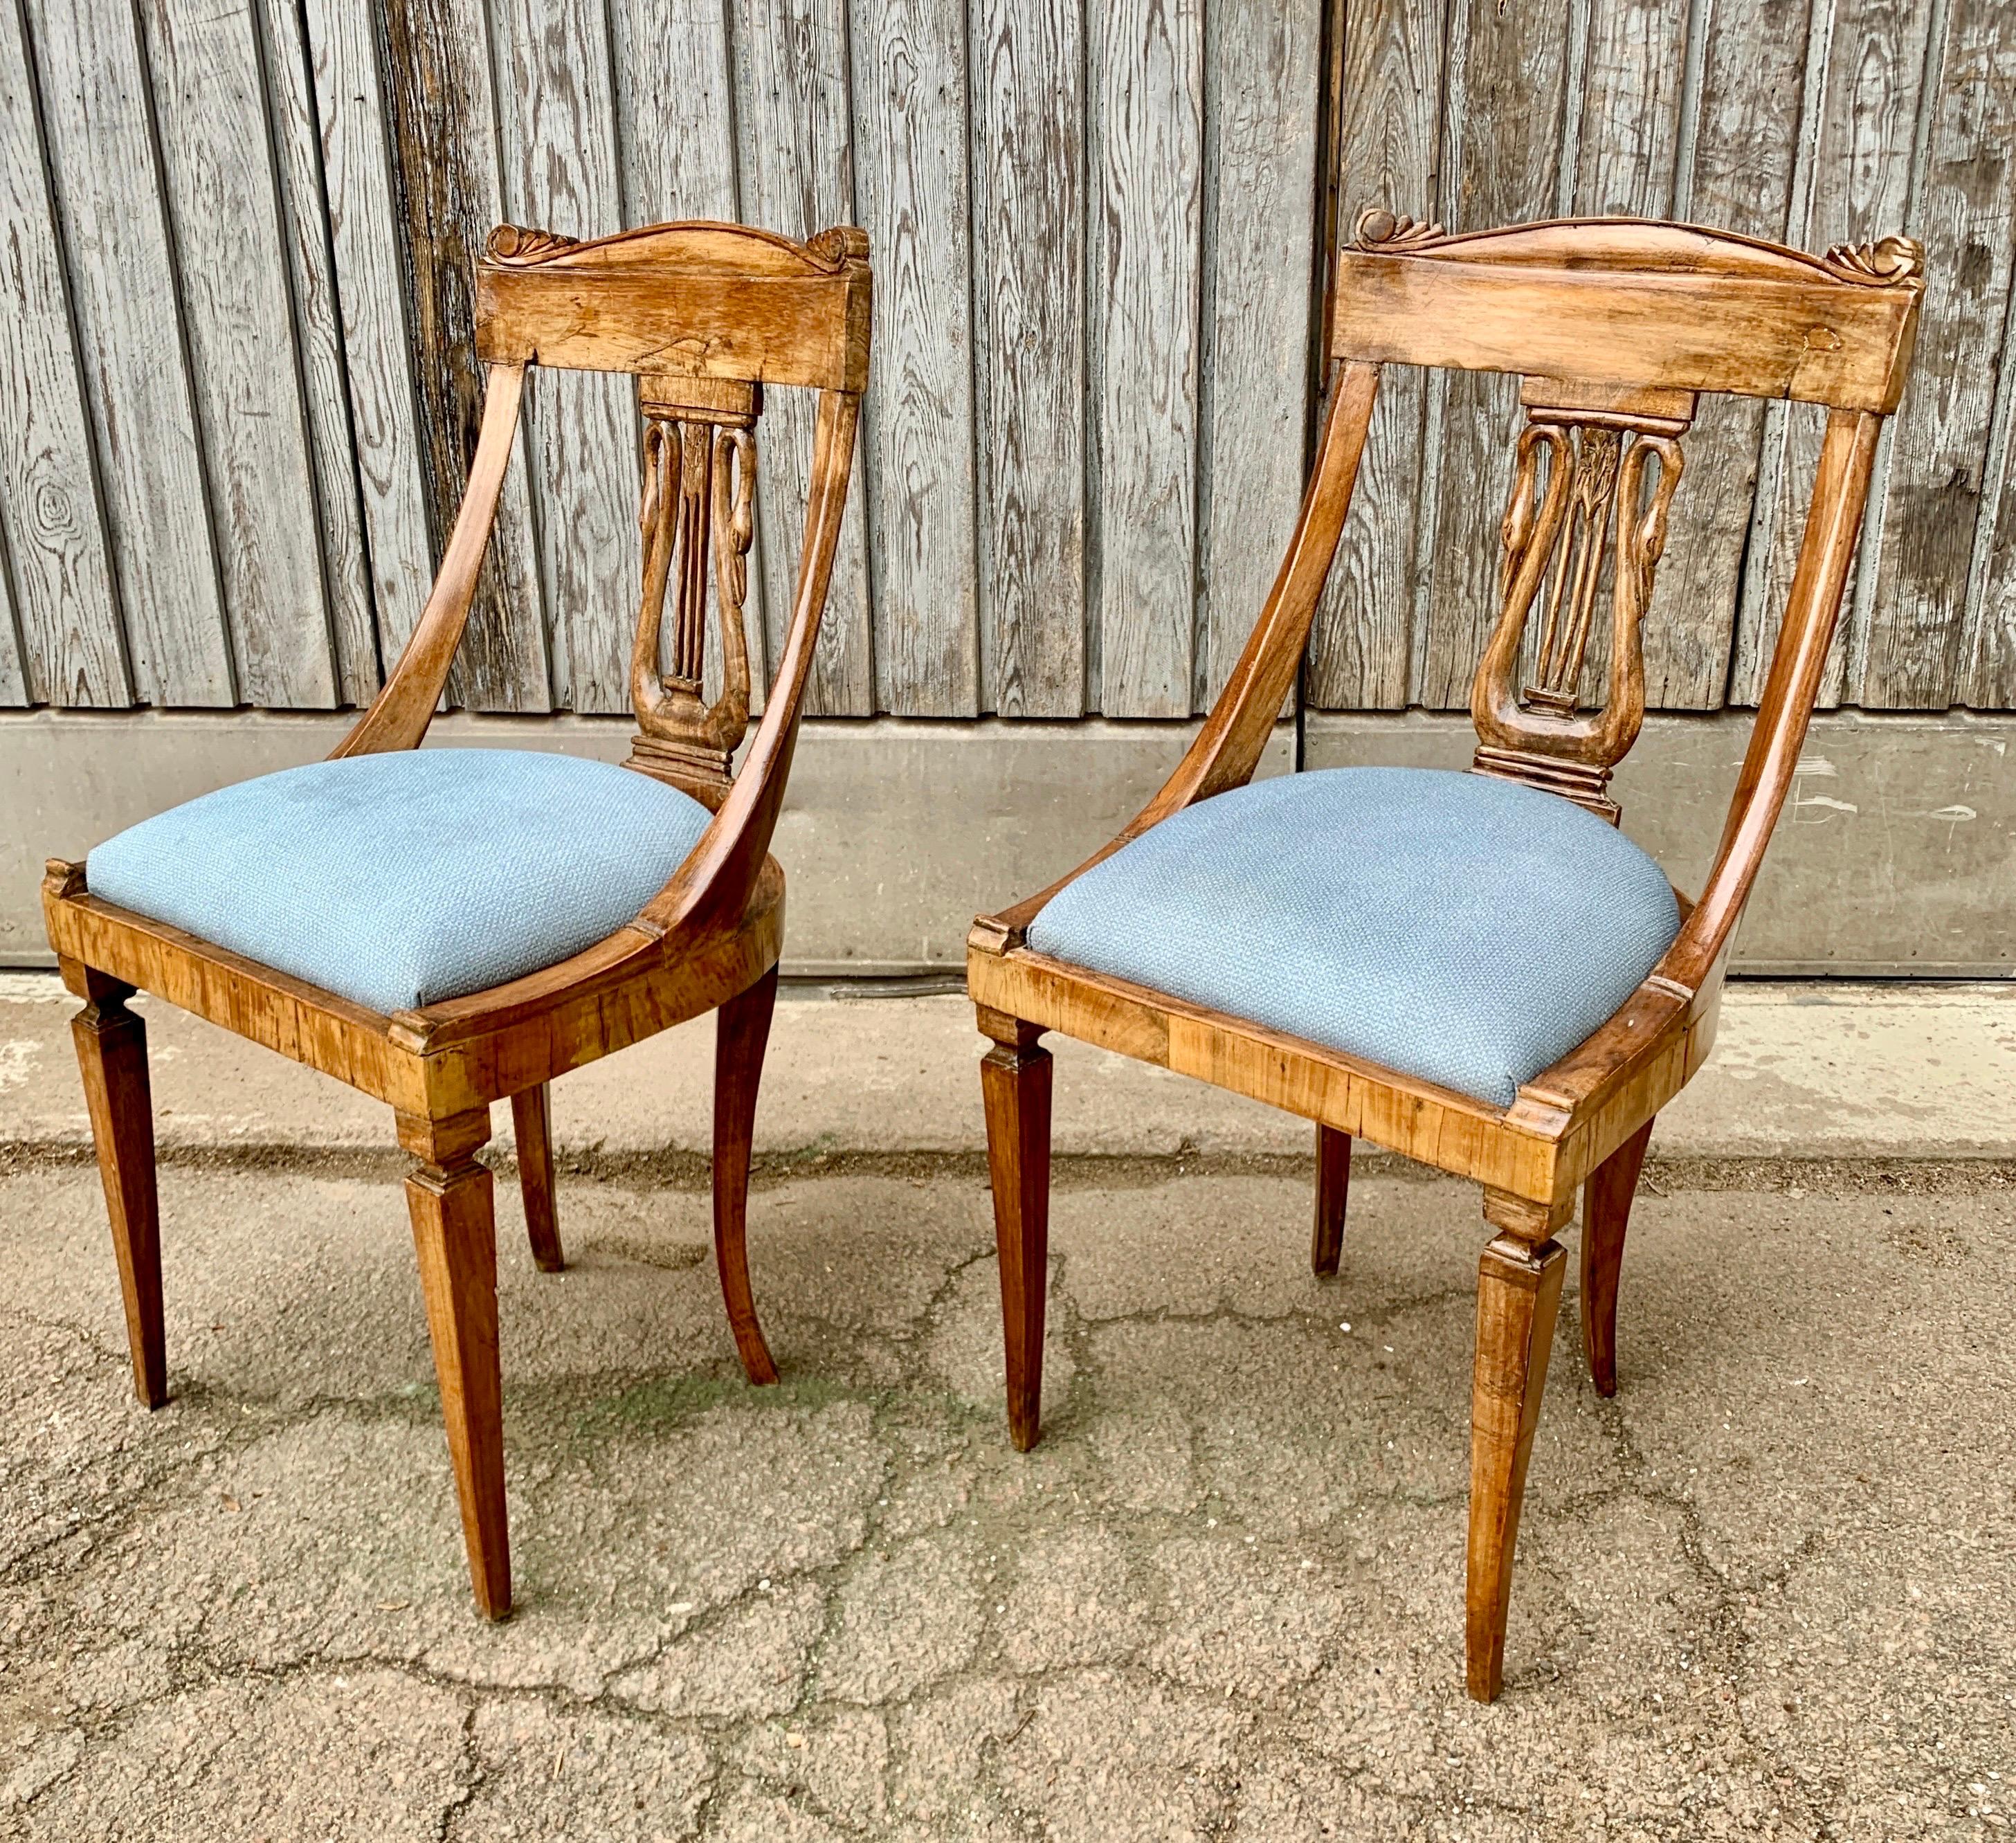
(1494,907)
(446,928)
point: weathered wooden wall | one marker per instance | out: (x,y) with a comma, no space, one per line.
(235,402)
(1810,121)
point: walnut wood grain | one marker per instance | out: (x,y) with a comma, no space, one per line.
(532,1130)
(742,1028)
(681,298)
(1596,470)
(1015,1090)
(698,507)
(449,1197)
(112,1056)
(1540,1153)
(1834,524)
(1333,1195)
(399,716)
(1606,1213)
(1616,300)
(1519,1295)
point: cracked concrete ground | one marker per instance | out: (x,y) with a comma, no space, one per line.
(1767,1592)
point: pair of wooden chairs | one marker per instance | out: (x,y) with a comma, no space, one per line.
(1477,971)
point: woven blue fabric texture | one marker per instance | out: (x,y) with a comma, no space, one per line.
(1464,930)
(403,879)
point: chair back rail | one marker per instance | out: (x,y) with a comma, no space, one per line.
(705,315)
(706,301)
(1614,327)
(1611,300)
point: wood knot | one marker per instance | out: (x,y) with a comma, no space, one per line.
(515,244)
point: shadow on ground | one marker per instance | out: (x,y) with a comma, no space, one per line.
(1768,1591)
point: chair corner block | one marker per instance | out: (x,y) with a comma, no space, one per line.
(61,879)
(992,936)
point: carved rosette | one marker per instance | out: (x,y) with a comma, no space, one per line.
(698,507)
(1590,497)
(520,247)
(842,244)
(1391,235)
(1889,262)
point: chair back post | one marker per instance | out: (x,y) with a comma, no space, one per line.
(1614,327)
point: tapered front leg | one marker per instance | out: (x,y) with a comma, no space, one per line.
(1015,1087)
(1606,1213)
(1518,1293)
(532,1126)
(742,1028)
(1332,1192)
(455,1234)
(112,1055)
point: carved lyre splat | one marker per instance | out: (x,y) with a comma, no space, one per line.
(700,479)
(1596,474)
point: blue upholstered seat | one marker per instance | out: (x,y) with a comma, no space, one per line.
(404,879)
(1464,930)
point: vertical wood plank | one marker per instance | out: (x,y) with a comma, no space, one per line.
(224,203)
(13,655)
(675,108)
(675,121)
(795,161)
(384,412)
(1859,122)
(1029,250)
(1736,172)
(442,112)
(1989,644)
(561,173)
(1146,291)
(1630,110)
(1504,138)
(298,140)
(1266,59)
(1918,643)
(108,193)
(1362,643)
(910,139)
(64,616)
(1626,152)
